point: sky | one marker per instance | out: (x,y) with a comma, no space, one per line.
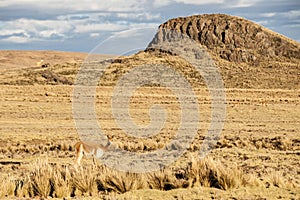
(81,25)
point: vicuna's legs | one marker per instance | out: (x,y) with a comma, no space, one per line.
(94,160)
(78,154)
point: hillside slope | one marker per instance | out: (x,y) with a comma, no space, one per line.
(247,55)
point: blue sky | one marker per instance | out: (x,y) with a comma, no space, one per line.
(80,25)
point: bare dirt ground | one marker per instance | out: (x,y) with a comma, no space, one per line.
(260,137)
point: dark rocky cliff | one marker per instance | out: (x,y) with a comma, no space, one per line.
(234,39)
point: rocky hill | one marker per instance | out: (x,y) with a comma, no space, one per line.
(235,39)
(246,54)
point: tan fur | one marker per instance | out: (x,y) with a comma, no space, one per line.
(82,148)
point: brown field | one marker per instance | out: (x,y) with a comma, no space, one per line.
(257,155)
(260,139)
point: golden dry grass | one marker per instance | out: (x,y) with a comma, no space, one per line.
(256,157)
(44,179)
(259,147)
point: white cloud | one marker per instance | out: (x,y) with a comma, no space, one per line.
(83,5)
(86,28)
(24,21)
(293,14)
(262,22)
(292,25)
(144,16)
(143,25)
(6,32)
(95,35)
(242,3)
(51,34)
(26,30)
(161,3)
(68,19)
(137,30)
(271,14)
(225,3)
(17,39)
(200,2)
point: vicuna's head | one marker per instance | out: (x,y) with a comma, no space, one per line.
(111,145)
(108,143)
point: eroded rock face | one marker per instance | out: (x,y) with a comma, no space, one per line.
(232,38)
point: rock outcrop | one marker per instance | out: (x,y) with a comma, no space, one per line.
(248,55)
(234,39)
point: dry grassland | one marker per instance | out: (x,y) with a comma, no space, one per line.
(257,156)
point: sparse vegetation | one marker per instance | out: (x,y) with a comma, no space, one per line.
(257,156)
(44,179)
(241,158)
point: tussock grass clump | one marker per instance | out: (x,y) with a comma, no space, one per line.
(7,185)
(275,178)
(84,181)
(119,182)
(52,180)
(63,183)
(160,180)
(210,173)
(165,180)
(41,179)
